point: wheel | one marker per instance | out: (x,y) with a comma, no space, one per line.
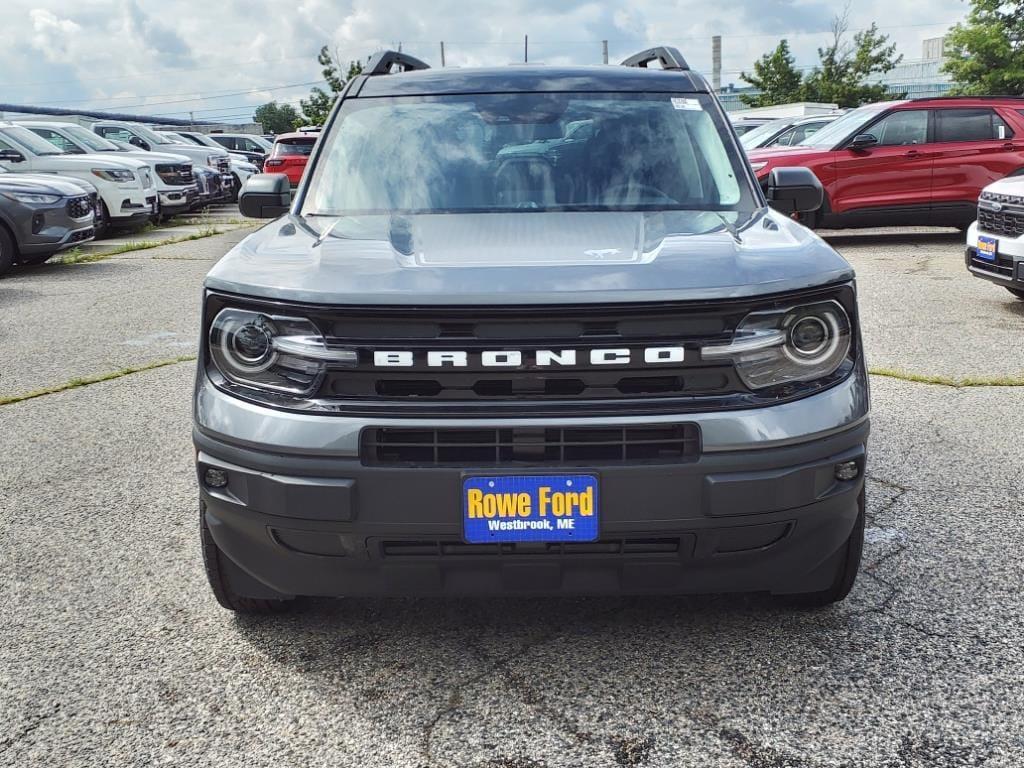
(218,570)
(7,250)
(102,222)
(236,187)
(847,566)
(1017,292)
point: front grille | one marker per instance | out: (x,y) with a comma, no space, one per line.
(416,548)
(541,378)
(1008,223)
(1002,266)
(175,175)
(564,446)
(80,207)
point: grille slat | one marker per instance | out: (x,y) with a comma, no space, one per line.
(1008,223)
(454,548)
(80,207)
(664,444)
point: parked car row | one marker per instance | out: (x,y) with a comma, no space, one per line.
(950,161)
(130,174)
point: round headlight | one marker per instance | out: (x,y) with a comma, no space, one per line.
(809,336)
(251,344)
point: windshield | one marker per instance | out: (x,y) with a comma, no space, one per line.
(842,127)
(202,139)
(30,141)
(90,139)
(755,137)
(152,137)
(528,152)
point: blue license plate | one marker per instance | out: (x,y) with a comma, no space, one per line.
(988,247)
(530,508)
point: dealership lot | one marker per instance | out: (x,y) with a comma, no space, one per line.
(113,651)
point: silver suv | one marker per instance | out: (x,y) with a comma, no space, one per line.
(530,331)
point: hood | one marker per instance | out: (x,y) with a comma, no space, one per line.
(526,258)
(87,162)
(44,183)
(151,158)
(195,152)
(781,153)
(1011,185)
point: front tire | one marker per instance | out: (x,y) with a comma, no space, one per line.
(7,250)
(214,561)
(847,567)
(1017,292)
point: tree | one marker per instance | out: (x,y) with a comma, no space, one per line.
(845,67)
(840,77)
(318,106)
(776,77)
(276,118)
(985,56)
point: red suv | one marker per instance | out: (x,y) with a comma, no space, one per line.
(908,162)
(290,154)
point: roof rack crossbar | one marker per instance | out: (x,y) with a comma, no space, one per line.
(384,62)
(670,58)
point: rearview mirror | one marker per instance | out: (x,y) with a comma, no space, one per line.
(11,156)
(863,141)
(140,143)
(794,190)
(265,196)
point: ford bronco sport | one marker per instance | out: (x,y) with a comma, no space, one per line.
(530,330)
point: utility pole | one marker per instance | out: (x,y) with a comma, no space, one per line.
(604,51)
(526,49)
(442,53)
(191,120)
(716,63)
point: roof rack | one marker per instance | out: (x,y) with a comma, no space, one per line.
(382,63)
(670,58)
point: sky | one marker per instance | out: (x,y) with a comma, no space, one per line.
(220,58)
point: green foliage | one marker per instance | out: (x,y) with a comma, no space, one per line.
(276,118)
(318,106)
(985,55)
(840,78)
(776,77)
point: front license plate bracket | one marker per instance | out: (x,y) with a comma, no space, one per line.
(530,508)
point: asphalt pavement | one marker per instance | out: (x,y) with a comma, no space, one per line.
(114,653)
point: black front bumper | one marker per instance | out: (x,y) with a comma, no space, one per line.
(760,520)
(1002,271)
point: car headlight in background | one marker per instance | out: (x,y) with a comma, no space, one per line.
(798,344)
(32,197)
(272,352)
(114,174)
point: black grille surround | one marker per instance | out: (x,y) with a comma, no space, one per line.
(624,390)
(1008,222)
(530,446)
(80,207)
(175,174)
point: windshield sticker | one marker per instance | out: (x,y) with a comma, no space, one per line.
(691,104)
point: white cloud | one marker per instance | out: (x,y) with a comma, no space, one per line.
(106,54)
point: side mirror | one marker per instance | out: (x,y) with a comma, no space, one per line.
(265,196)
(140,143)
(794,190)
(11,156)
(863,141)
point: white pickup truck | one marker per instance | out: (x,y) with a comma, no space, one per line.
(140,136)
(172,173)
(125,186)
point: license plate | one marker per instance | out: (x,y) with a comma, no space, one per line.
(530,508)
(988,247)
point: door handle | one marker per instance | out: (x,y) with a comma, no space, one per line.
(1011,147)
(912,154)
